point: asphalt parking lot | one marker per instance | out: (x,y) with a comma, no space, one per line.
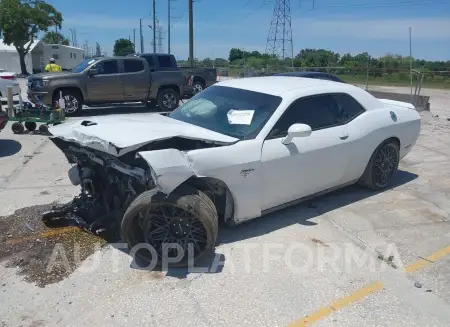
(351,258)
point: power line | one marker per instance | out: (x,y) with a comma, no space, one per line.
(265,3)
(177,19)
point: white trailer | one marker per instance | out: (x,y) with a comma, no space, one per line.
(66,56)
(38,56)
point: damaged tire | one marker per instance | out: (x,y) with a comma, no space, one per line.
(170,231)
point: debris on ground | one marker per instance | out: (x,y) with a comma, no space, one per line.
(27,244)
(317,241)
(418,285)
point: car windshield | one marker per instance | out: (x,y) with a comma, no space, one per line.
(231,111)
(83,65)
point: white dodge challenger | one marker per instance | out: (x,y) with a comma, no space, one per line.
(236,151)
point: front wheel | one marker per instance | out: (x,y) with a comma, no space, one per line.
(17,128)
(382,166)
(73,102)
(168,99)
(170,231)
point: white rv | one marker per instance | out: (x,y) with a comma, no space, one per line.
(38,56)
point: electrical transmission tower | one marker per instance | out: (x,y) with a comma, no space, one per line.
(279,40)
(159,37)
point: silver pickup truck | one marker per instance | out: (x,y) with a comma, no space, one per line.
(106,80)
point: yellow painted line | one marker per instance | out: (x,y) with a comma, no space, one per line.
(428,260)
(365,291)
(339,304)
(46,234)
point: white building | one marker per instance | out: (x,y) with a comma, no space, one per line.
(66,56)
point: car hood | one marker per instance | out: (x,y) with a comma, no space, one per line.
(119,135)
(53,75)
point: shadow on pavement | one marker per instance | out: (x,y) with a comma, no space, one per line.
(9,148)
(214,262)
(298,214)
(303,212)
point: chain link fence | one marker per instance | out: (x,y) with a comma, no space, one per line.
(431,90)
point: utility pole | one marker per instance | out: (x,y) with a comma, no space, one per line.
(140,33)
(191,34)
(168,26)
(410,60)
(154,26)
(134,39)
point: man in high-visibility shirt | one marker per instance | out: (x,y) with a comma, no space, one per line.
(52,66)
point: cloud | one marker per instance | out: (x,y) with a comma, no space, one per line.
(393,29)
(105,22)
(329,26)
(120,23)
(343,33)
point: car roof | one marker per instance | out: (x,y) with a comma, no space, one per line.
(277,85)
(288,87)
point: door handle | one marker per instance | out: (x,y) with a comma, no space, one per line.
(343,137)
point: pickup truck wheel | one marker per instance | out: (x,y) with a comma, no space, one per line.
(168,99)
(73,100)
(173,230)
(197,87)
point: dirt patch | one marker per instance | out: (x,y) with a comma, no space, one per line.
(40,252)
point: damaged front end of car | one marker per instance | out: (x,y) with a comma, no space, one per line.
(108,186)
(151,195)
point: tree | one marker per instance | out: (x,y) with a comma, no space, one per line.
(21,20)
(123,47)
(55,38)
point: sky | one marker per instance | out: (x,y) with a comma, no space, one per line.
(345,26)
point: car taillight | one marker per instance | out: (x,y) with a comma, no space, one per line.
(12,77)
(189,80)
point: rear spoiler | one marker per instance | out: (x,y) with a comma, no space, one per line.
(400,104)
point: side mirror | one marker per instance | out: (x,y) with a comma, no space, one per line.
(297,130)
(92,72)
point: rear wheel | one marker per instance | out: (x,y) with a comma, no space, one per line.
(197,87)
(382,166)
(168,99)
(174,230)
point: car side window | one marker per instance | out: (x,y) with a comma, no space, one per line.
(318,112)
(348,107)
(107,67)
(133,65)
